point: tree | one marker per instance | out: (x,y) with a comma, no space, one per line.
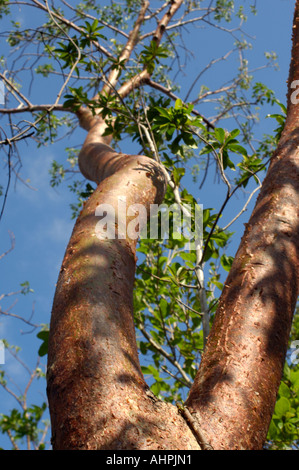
(97,393)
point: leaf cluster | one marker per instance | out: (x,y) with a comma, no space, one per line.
(24,424)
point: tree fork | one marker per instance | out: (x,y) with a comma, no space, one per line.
(97,395)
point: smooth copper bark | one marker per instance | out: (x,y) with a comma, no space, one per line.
(97,394)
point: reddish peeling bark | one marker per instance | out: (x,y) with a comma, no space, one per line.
(98,398)
(97,394)
(235,390)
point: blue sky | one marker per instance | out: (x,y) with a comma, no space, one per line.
(40,218)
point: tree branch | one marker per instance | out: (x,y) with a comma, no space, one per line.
(141,77)
(164,353)
(72,25)
(127,50)
(35,107)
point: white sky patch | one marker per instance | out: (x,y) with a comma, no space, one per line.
(21,20)
(13,369)
(2,352)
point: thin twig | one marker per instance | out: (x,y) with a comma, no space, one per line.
(194,425)
(188,306)
(12,245)
(164,353)
(127,50)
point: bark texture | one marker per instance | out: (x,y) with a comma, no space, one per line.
(235,390)
(97,394)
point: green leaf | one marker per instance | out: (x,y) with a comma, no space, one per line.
(294,376)
(44,336)
(220,135)
(226,262)
(237,148)
(282,407)
(177,174)
(165,113)
(284,390)
(227,162)
(290,428)
(279,118)
(189,140)
(234,134)
(287,371)
(221,238)
(273,431)
(178,104)
(219,285)
(26,288)
(164,308)
(143,347)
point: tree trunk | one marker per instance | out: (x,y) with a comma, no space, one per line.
(235,389)
(97,394)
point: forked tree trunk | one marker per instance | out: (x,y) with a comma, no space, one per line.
(97,394)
